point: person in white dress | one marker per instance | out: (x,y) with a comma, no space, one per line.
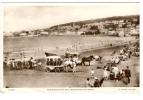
(105,73)
(92,72)
(74,66)
(115,71)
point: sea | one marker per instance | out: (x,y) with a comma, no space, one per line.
(17,47)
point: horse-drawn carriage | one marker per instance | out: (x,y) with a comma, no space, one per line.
(54,63)
(58,64)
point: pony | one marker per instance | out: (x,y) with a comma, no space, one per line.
(87,59)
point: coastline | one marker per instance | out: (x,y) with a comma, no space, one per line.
(81,45)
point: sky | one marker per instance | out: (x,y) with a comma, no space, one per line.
(17,18)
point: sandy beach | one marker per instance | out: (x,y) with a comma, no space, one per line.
(38,79)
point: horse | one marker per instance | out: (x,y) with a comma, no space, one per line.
(77,61)
(68,64)
(87,59)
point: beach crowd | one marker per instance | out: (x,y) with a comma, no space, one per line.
(111,71)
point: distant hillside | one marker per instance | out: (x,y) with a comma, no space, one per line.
(102,26)
(99,20)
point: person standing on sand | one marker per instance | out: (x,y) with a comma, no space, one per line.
(5,63)
(96,82)
(88,84)
(74,66)
(105,73)
(101,81)
(127,74)
(34,63)
(115,71)
(92,72)
(31,63)
(24,62)
(129,53)
(13,64)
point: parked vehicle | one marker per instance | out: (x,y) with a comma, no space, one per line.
(54,63)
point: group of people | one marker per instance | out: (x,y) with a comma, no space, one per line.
(95,83)
(112,71)
(123,55)
(136,49)
(130,50)
(122,75)
(31,63)
(18,64)
(51,62)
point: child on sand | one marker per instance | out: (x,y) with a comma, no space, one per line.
(92,72)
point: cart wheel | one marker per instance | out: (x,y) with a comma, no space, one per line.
(48,69)
(62,69)
(57,70)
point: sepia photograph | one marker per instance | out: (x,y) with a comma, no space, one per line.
(85,46)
